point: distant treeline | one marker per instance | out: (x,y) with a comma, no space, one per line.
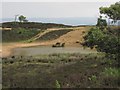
(32,25)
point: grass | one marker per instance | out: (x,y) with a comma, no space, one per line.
(57,84)
(54,34)
(58,71)
(114,72)
(25,35)
(92,78)
(19,34)
(35,25)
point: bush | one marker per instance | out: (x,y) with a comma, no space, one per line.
(104,41)
(93,78)
(108,40)
(57,84)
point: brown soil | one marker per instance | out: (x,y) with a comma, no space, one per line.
(73,38)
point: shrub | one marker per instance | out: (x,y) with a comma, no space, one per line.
(32,25)
(11,62)
(57,84)
(114,72)
(103,41)
(93,78)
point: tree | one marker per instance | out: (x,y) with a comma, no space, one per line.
(107,41)
(22,18)
(113,12)
(25,20)
(103,41)
(93,38)
(101,23)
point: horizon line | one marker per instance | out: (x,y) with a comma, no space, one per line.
(54,17)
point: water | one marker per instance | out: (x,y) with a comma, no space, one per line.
(42,50)
(67,21)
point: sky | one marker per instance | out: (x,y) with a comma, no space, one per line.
(59,0)
(52,9)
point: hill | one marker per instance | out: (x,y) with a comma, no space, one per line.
(72,38)
(19,31)
(36,25)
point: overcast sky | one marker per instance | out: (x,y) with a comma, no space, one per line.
(52,9)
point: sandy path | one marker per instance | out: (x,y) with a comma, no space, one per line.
(7,47)
(71,37)
(46,31)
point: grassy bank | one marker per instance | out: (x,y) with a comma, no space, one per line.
(22,34)
(54,34)
(19,34)
(63,70)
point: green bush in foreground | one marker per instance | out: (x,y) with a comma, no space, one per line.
(57,84)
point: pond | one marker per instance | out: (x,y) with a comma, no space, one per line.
(41,50)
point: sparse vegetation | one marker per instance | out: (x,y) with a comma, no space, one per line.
(114,72)
(57,84)
(64,70)
(53,34)
(32,25)
(19,34)
(70,70)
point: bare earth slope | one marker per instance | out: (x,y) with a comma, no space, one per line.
(71,37)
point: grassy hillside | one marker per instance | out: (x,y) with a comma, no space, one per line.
(65,70)
(19,34)
(32,25)
(54,34)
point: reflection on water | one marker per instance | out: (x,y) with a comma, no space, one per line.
(32,51)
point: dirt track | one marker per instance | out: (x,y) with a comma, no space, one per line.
(70,38)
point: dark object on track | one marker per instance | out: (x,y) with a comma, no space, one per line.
(58,44)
